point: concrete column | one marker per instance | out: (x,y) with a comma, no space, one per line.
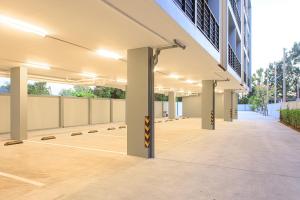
(18,103)
(228,108)
(235,105)
(172,105)
(61,112)
(208,105)
(224,33)
(140,101)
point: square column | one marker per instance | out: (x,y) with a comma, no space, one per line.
(172,105)
(228,108)
(18,103)
(208,105)
(140,103)
(235,106)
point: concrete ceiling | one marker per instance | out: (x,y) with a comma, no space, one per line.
(97,24)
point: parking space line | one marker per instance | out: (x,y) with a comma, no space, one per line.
(25,180)
(76,147)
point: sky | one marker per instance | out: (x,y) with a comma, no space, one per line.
(275,25)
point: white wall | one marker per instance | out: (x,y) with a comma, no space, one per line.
(4,113)
(100,111)
(274,110)
(43,112)
(75,111)
(219,105)
(244,107)
(191,106)
(118,110)
(158,109)
(291,105)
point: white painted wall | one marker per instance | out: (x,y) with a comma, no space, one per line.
(118,110)
(191,106)
(75,111)
(100,111)
(42,112)
(4,113)
(219,105)
(158,109)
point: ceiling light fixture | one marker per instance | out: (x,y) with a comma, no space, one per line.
(88,74)
(174,76)
(190,81)
(23,26)
(108,54)
(38,65)
(121,80)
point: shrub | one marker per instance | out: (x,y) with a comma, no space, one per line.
(291,117)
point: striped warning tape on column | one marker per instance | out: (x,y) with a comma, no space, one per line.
(231,113)
(212,118)
(147,131)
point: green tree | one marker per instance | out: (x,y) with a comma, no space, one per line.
(160,97)
(39,88)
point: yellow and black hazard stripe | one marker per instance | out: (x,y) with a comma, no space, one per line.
(147,132)
(212,118)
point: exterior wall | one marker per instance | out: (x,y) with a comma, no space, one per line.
(191,106)
(42,112)
(4,113)
(118,110)
(75,111)
(219,105)
(100,111)
(158,109)
(45,112)
(291,105)
(244,107)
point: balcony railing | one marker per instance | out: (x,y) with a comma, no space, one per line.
(236,12)
(233,61)
(201,15)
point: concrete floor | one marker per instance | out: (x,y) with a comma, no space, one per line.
(252,158)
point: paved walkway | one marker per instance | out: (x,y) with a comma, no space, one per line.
(253,158)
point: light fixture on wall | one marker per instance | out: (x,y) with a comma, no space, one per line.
(108,54)
(23,26)
(37,65)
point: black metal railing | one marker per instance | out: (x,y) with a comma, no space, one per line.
(201,15)
(236,12)
(207,23)
(233,61)
(188,7)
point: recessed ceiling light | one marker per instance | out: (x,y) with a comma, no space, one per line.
(88,74)
(174,76)
(37,65)
(121,80)
(190,81)
(108,54)
(23,26)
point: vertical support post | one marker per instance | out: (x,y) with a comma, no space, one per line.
(275,84)
(90,111)
(224,33)
(208,104)
(18,103)
(228,110)
(140,102)
(172,105)
(284,76)
(61,111)
(235,105)
(111,113)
